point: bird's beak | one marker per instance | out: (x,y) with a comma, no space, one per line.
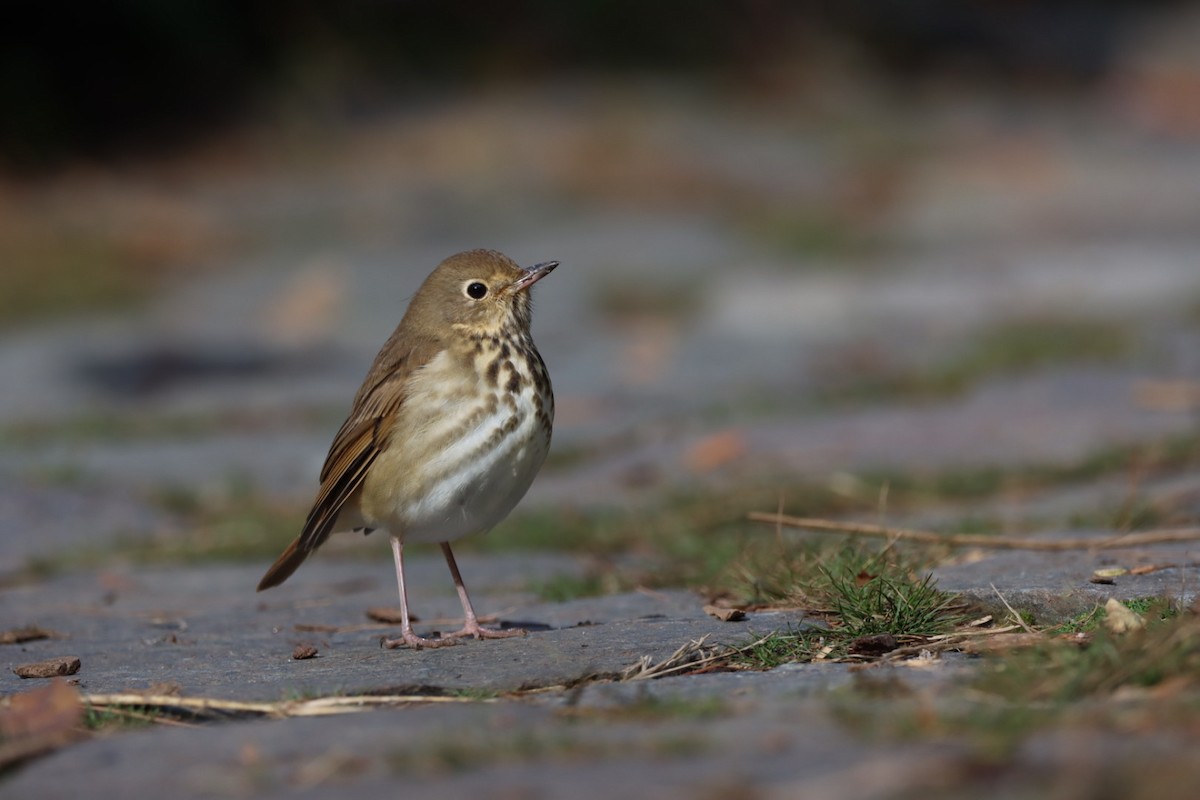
(533,275)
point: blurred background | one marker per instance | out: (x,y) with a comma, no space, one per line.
(799,240)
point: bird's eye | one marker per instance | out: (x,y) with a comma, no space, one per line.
(476,290)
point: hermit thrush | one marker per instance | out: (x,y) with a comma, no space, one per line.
(448,429)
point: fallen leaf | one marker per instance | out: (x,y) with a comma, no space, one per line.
(308,308)
(863,578)
(715,451)
(725,614)
(1120,619)
(1167,395)
(46,708)
(50,668)
(389,616)
(32,723)
(304,651)
(1110,572)
(115,583)
(28,633)
(875,645)
(249,755)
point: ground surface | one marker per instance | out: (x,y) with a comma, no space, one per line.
(694,351)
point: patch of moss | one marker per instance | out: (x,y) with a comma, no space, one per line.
(657,708)
(468,752)
(52,273)
(1009,348)
(561,588)
(104,720)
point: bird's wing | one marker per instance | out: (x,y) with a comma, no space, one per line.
(363,435)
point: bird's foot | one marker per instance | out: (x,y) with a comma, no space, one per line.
(417,642)
(477,631)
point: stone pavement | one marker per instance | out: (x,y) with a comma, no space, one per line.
(202,632)
(1016,217)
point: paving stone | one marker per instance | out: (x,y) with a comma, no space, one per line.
(206,631)
(1056,586)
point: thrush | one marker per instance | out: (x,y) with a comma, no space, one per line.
(447,431)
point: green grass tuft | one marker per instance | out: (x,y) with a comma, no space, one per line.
(786,647)
(897,604)
(102,720)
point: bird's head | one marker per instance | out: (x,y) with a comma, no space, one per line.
(479,291)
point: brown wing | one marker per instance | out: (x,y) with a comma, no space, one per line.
(361,438)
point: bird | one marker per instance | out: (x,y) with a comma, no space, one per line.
(446,433)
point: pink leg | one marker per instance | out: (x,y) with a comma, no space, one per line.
(407,637)
(471,626)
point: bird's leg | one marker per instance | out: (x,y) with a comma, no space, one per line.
(471,626)
(407,637)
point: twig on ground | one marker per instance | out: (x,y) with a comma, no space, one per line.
(942,642)
(688,656)
(1015,615)
(212,708)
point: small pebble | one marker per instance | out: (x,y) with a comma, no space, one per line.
(304,651)
(50,668)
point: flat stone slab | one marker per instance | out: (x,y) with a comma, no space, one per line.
(710,735)
(1056,586)
(796,731)
(207,632)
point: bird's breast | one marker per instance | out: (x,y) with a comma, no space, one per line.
(472,433)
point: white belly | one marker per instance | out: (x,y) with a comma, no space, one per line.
(475,499)
(470,479)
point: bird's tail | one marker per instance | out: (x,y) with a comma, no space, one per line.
(284,566)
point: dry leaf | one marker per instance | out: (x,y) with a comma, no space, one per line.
(28,633)
(725,614)
(307,309)
(875,645)
(1120,619)
(1167,395)
(863,578)
(714,452)
(249,755)
(34,722)
(50,668)
(388,616)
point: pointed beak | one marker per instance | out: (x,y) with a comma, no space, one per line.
(533,275)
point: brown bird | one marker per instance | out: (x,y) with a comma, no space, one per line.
(447,431)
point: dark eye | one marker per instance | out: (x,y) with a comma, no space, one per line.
(476,290)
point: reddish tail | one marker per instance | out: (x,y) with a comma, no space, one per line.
(284,566)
